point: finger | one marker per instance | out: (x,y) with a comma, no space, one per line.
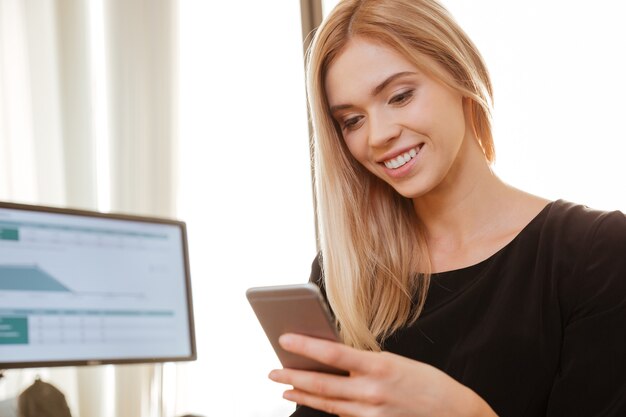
(328,405)
(327,352)
(324,385)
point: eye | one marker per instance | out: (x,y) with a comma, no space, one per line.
(351,123)
(402,98)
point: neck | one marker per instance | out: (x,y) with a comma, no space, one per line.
(469,204)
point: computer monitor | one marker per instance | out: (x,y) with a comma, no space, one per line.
(80,287)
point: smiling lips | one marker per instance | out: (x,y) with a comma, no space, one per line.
(402,159)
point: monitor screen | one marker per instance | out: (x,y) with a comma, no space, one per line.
(79,287)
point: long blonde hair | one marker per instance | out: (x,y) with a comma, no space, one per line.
(375,259)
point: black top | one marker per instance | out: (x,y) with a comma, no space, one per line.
(538,328)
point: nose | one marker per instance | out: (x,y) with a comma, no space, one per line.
(382,129)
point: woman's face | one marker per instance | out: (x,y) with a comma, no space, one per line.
(402,125)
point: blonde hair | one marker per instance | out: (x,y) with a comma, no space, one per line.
(375,259)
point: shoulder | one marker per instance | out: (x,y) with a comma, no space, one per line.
(576,221)
(592,243)
(587,235)
(570,231)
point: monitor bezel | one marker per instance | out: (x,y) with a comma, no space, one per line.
(116,216)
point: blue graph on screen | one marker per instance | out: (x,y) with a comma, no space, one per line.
(28,278)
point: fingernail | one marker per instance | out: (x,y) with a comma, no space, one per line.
(285,340)
(288,395)
(273,375)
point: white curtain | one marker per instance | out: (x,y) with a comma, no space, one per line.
(31,157)
(93,129)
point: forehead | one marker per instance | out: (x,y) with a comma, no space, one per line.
(361,66)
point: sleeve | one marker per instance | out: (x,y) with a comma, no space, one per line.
(315,278)
(591,380)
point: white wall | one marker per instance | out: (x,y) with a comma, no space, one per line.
(558,73)
(245,190)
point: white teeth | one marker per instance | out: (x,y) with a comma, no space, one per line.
(400,160)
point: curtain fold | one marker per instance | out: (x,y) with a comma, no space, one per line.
(142,60)
(76,103)
(18,179)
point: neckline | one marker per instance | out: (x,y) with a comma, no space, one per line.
(485,261)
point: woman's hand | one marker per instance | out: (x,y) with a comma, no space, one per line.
(380,384)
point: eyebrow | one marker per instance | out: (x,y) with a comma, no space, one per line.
(376,90)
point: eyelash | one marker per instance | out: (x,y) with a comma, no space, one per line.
(402,97)
(398,99)
(350,123)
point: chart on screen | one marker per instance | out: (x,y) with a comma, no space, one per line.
(80,287)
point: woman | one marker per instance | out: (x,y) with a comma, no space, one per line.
(455,293)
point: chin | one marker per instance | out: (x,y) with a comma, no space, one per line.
(414,189)
(409,192)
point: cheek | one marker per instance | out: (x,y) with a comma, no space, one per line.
(456,124)
(357,147)
(438,113)
(359,150)
(448,122)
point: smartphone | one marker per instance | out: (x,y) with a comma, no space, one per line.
(294,309)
